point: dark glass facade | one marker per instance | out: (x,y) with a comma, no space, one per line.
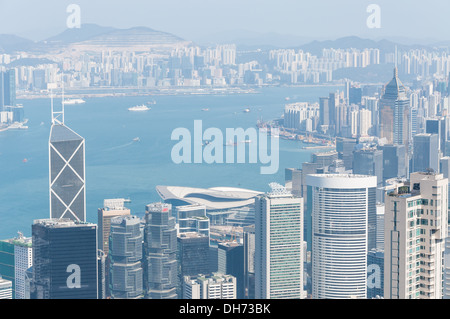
(426,153)
(231,262)
(7,262)
(370,162)
(63,252)
(394,161)
(7,89)
(193,256)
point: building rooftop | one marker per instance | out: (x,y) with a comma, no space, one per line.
(191,235)
(61,223)
(61,133)
(394,90)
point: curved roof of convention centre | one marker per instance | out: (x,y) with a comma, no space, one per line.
(215,198)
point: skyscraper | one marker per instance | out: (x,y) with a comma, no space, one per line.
(279,245)
(394,124)
(5,289)
(7,262)
(426,152)
(101,282)
(125,258)
(192,218)
(369,161)
(341,206)
(375,273)
(15,259)
(7,88)
(416,220)
(111,208)
(193,256)
(437,126)
(66,171)
(249,261)
(394,161)
(345,147)
(23,259)
(160,247)
(64,259)
(231,262)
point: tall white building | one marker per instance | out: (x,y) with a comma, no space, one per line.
(279,245)
(23,259)
(415,233)
(5,289)
(217,286)
(380,227)
(364,122)
(340,209)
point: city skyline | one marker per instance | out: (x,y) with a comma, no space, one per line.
(174,167)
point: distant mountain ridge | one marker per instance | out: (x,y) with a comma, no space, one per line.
(86,32)
(95,37)
(10,43)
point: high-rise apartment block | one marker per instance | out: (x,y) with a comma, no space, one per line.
(216,286)
(416,220)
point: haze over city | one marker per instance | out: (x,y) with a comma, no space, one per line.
(225,21)
(228,150)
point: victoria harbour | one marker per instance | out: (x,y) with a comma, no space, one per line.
(129,153)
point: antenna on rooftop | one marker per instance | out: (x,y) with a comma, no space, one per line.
(58,115)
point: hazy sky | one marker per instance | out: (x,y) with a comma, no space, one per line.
(193,19)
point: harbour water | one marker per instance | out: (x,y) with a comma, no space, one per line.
(129,153)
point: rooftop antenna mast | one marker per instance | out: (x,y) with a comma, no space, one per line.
(58,115)
(396,57)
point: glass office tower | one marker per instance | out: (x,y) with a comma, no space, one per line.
(160,247)
(125,258)
(341,208)
(64,260)
(279,245)
(67,176)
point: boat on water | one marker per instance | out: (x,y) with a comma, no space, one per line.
(136,139)
(17,126)
(246,141)
(74,101)
(230,143)
(247,110)
(139,108)
(205,110)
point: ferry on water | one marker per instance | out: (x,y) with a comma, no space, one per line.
(139,108)
(74,101)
